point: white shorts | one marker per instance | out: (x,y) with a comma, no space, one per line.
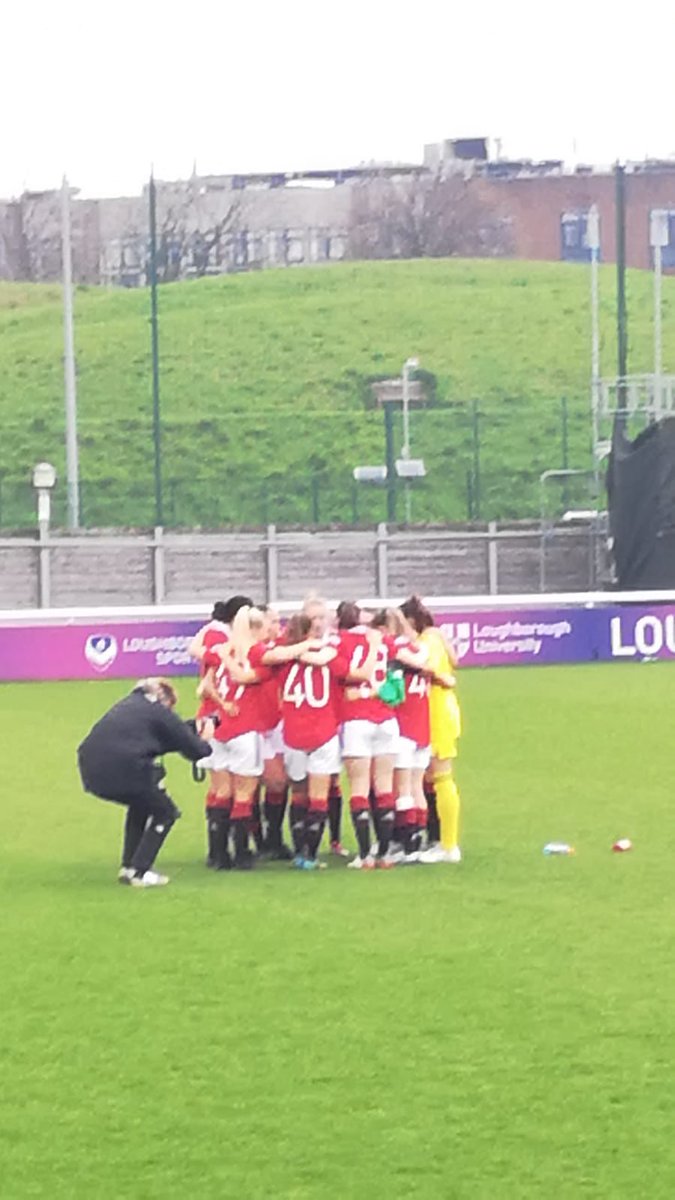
(365,739)
(273,742)
(412,757)
(240,756)
(325,760)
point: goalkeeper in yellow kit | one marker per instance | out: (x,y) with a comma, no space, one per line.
(446,727)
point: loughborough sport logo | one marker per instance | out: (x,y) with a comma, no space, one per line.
(100,650)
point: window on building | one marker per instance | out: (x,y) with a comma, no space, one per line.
(574,237)
(667,251)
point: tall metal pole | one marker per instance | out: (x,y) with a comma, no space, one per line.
(405,450)
(658,238)
(593,238)
(156,421)
(72,465)
(621,313)
(390,459)
(658,354)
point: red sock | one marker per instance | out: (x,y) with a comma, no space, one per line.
(242,810)
(384,800)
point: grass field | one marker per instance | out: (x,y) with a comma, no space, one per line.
(263,379)
(500,1029)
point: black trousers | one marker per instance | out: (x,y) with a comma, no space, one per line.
(150,812)
(149,818)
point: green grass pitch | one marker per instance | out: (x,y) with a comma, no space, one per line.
(501,1029)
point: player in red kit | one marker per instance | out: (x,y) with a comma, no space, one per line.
(312,697)
(274,777)
(369,740)
(238,681)
(316,609)
(414,751)
(215,633)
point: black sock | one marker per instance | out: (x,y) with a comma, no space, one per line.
(410,839)
(274,819)
(314,832)
(218,830)
(134,828)
(298,816)
(361,823)
(240,834)
(433,823)
(334,814)
(385,828)
(256,823)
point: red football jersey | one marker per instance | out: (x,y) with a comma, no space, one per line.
(216,635)
(311,702)
(269,698)
(248,717)
(355,646)
(413,713)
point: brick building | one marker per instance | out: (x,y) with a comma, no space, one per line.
(548,213)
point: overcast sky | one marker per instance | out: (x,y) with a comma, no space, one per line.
(101,89)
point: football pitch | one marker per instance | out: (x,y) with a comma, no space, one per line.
(504,1028)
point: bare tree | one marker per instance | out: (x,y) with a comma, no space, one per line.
(424,216)
(190,244)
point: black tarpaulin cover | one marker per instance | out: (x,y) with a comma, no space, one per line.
(641,494)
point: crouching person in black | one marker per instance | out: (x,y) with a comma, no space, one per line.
(118,761)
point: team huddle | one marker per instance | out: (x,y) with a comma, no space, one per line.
(285,711)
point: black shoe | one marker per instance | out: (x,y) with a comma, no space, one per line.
(244,862)
(281,853)
(225,863)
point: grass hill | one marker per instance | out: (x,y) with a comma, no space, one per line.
(263,378)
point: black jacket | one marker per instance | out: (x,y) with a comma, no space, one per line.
(118,757)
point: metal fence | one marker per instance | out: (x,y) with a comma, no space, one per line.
(483,463)
(160,567)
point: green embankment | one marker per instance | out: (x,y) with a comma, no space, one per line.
(263,379)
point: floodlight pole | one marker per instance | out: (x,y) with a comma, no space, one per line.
(390,460)
(621,314)
(593,238)
(154,325)
(409,364)
(72,465)
(658,237)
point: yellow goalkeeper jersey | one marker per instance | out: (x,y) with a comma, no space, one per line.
(444,712)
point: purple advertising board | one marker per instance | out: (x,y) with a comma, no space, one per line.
(132,648)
